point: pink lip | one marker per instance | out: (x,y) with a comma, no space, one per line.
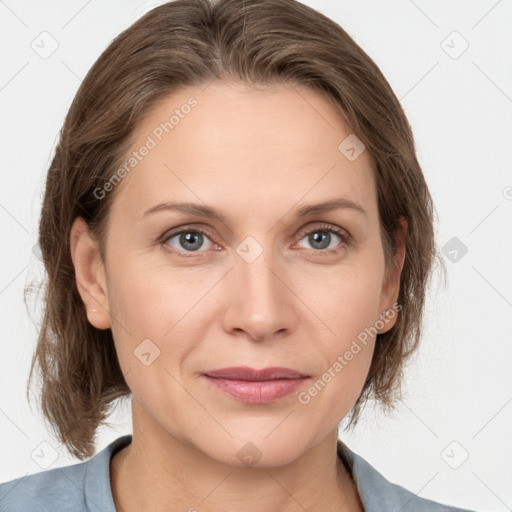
(256,386)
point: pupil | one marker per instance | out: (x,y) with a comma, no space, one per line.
(188,238)
(322,237)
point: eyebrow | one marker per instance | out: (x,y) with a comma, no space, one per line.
(209,212)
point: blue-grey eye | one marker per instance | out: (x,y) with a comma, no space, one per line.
(188,240)
(321,239)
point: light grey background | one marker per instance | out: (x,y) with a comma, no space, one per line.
(458,399)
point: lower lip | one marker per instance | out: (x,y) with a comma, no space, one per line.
(262,392)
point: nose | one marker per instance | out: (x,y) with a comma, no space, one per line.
(260,302)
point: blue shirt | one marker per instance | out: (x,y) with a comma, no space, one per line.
(85,487)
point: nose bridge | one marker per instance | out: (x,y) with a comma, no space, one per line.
(259,300)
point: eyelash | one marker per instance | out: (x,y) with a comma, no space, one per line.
(346,238)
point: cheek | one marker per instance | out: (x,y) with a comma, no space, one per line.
(346,299)
(150,310)
(349,310)
(144,305)
(169,307)
(346,355)
(150,300)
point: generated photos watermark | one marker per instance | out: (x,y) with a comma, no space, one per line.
(304,397)
(151,142)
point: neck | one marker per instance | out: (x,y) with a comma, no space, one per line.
(158,471)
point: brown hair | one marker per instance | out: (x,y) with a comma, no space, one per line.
(192,42)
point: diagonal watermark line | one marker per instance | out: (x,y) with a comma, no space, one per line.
(286,490)
(12,488)
(508,508)
(300,300)
(301,198)
(170,170)
(419,418)
(14,76)
(492,81)
(13,279)
(13,13)
(424,14)
(419,81)
(198,402)
(499,293)
(494,209)
(13,218)
(81,488)
(291,85)
(72,72)
(485,15)
(208,84)
(105,309)
(199,300)
(14,423)
(113,112)
(216,487)
(417,493)
(492,418)
(280,423)
(75,15)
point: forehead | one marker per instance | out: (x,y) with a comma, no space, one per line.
(229,143)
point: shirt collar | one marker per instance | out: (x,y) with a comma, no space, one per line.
(375,491)
(98,492)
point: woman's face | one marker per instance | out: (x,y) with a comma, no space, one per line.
(263,286)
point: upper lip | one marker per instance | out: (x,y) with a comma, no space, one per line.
(251,374)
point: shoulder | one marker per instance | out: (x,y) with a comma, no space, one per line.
(54,489)
(80,487)
(379,494)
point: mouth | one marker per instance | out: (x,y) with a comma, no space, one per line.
(255,386)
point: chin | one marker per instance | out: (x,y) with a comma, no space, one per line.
(257,450)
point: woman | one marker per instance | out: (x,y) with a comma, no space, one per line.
(238,234)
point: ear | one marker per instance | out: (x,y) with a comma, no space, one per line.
(90,274)
(391,283)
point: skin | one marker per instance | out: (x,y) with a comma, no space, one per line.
(257,156)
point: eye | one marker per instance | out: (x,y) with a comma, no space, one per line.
(188,240)
(320,238)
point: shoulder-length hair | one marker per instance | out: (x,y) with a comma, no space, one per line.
(192,42)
